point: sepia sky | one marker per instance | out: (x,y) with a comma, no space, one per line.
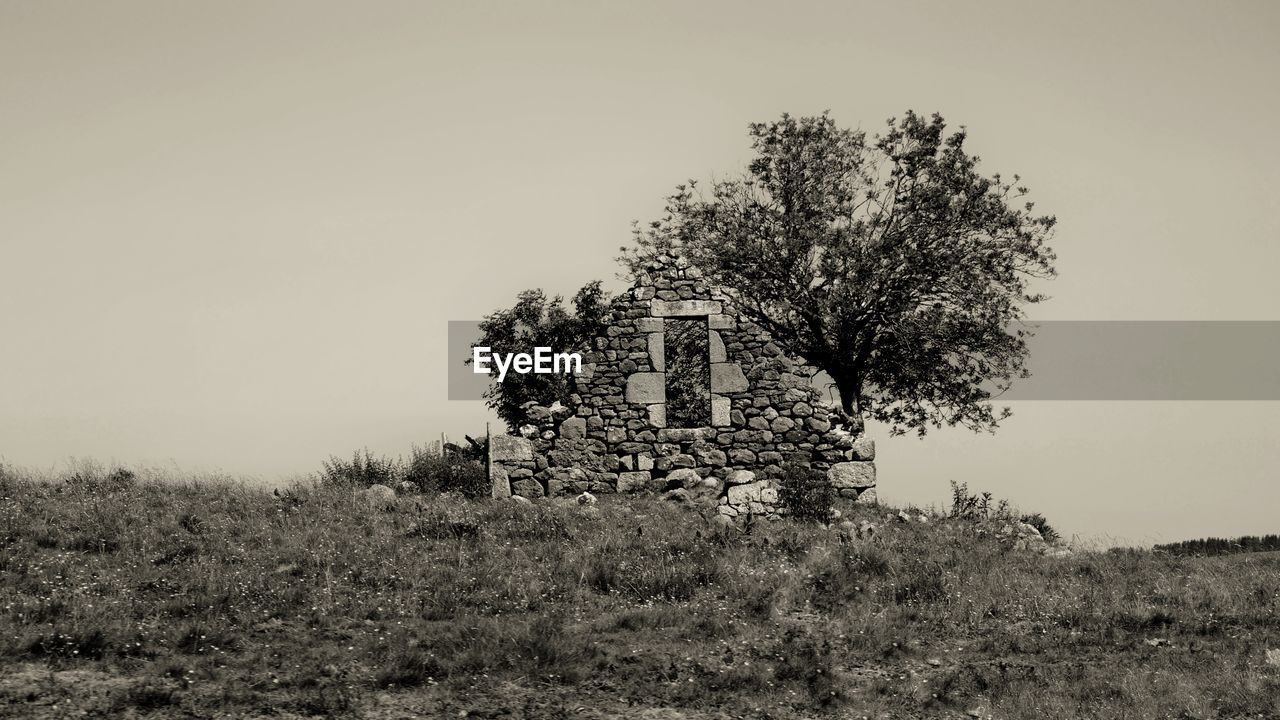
(232,233)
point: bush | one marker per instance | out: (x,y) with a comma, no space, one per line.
(806,493)
(361,470)
(447,470)
(1037,521)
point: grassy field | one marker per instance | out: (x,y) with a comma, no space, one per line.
(122,598)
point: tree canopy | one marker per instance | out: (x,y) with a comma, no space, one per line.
(536,321)
(890,262)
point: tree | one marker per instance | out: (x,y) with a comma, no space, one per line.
(534,321)
(891,263)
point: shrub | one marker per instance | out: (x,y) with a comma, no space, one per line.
(806,493)
(1037,521)
(361,470)
(449,469)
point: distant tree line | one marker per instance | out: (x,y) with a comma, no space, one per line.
(1222,546)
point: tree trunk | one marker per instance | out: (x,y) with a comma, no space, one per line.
(850,405)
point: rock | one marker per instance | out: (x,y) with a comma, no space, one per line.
(574,428)
(587,498)
(527,487)
(683,461)
(684,477)
(377,496)
(509,447)
(404,487)
(847,531)
(723,522)
(866,497)
(852,475)
(520,500)
(864,448)
(740,477)
(679,496)
(802,409)
(728,378)
(817,424)
(753,492)
(644,388)
(903,517)
(782,424)
(720,411)
(634,481)
(1273,658)
(710,456)
(499,482)
(866,530)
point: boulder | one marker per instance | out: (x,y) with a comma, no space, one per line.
(377,496)
(587,498)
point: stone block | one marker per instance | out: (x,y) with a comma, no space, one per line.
(782,424)
(499,482)
(658,415)
(715,347)
(681,435)
(509,447)
(722,322)
(635,481)
(684,477)
(741,477)
(855,474)
(751,492)
(864,448)
(727,378)
(649,325)
(720,411)
(684,308)
(657,352)
(710,456)
(528,487)
(645,388)
(574,428)
(867,497)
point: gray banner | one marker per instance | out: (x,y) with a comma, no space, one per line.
(1080,360)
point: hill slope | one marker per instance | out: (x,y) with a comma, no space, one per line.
(189,600)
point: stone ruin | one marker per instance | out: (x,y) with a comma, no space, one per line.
(682,395)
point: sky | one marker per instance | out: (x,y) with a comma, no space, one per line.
(232,233)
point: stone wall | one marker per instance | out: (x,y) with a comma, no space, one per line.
(612,436)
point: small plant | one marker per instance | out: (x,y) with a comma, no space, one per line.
(806,493)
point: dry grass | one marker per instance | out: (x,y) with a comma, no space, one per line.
(212,599)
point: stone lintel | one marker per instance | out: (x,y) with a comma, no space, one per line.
(684,308)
